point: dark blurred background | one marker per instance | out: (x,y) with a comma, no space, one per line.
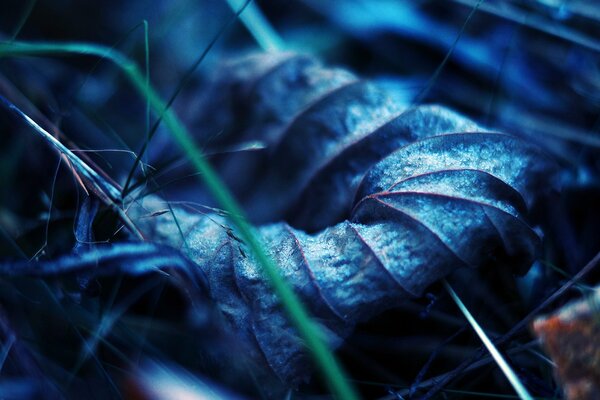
(531,68)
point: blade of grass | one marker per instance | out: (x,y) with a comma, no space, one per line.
(587,269)
(258,26)
(82,167)
(482,360)
(24,17)
(506,369)
(184,80)
(421,96)
(50,207)
(297,313)
(533,21)
(108,193)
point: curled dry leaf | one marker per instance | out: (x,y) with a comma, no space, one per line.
(380,200)
(571,336)
(397,197)
(410,227)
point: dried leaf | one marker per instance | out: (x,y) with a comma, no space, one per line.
(571,336)
(397,197)
(420,197)
(411,227)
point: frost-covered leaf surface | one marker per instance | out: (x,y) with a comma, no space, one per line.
(361,200)
(415,193)
(396,243)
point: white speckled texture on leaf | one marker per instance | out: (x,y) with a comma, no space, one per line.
(393,199)
(360,201)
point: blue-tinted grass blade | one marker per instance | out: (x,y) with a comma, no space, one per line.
(506,369)
(81,167)
(258,26)
(107,192)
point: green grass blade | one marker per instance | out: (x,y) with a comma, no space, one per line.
(324,358)
(182,83)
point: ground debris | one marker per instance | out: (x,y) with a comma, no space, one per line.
(571,336)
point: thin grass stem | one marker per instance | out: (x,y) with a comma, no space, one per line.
(184,80)
(506,369)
